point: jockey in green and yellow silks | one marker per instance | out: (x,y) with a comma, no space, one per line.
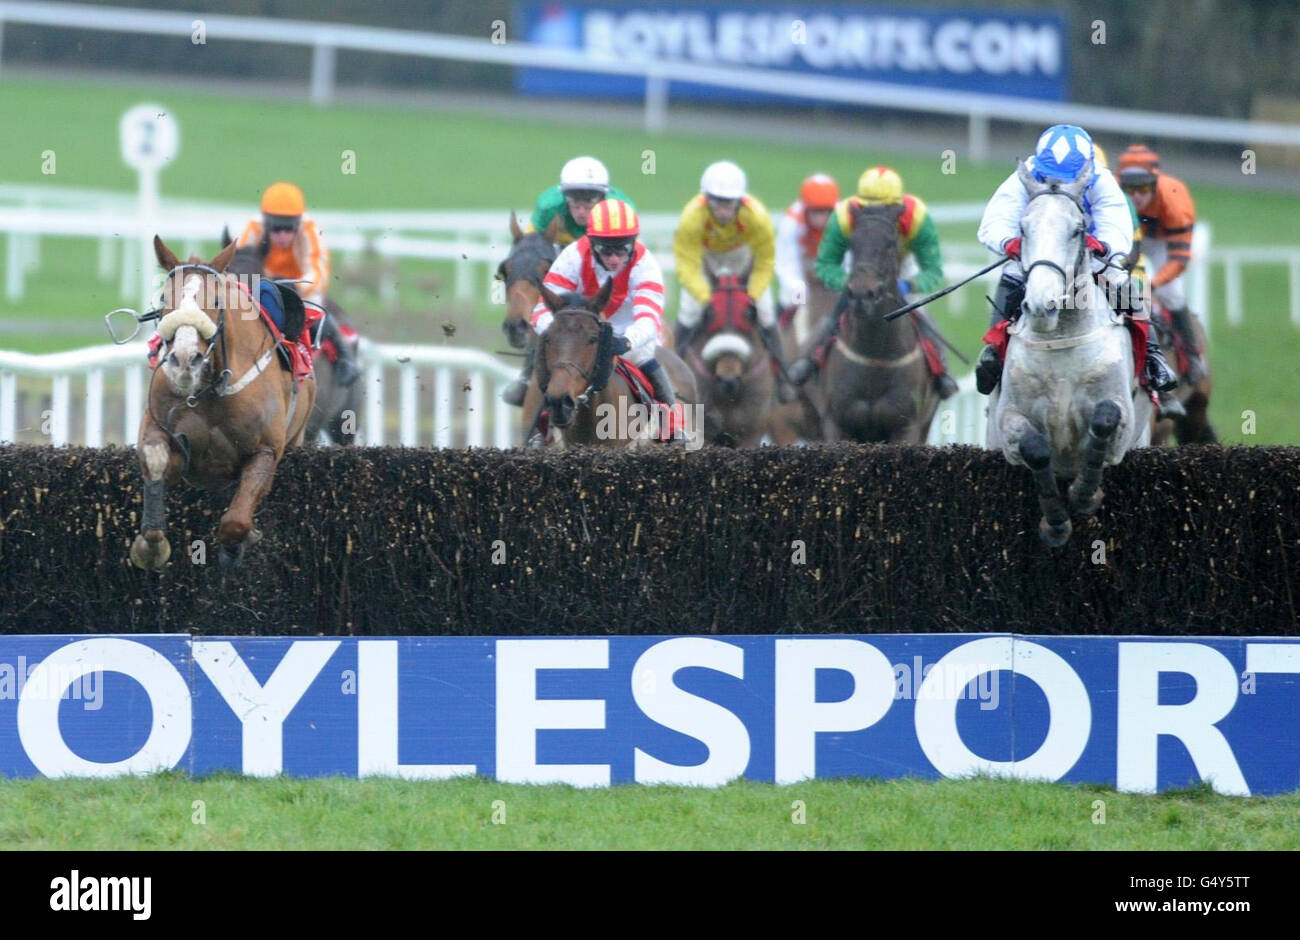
(918,237)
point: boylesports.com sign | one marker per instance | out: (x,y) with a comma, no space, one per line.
(1139,713)
(1000,52)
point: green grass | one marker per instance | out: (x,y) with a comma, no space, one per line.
(159,813)
(231,148)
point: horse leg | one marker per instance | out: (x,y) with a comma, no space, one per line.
(159,464)
(237,522)
(1085,491)
(1054,528)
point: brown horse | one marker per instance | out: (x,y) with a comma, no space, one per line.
(731,365)
(585,398)
(801,419)
(1195,428)
(220,407)
(880,388)
(334,401)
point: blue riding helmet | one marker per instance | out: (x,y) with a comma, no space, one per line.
(1062,153)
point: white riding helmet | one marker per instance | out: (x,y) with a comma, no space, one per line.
(724,180)
(584,173)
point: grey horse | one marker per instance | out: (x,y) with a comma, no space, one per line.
(1069,404)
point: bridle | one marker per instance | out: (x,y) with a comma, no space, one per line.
(218,383)
(1080,236)
(587,377)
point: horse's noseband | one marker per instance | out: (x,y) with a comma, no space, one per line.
(218,384)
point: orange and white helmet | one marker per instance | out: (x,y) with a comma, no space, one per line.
(819,191)
(880,184)
(283,199)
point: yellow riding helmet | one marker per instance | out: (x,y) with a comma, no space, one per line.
(880,184)
(283,199)
(1099,161)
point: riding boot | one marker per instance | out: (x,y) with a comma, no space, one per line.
(944,384)
(1182,318)
(1158,374)
(514,392)
(1007,299)
(663,385)
(346,369)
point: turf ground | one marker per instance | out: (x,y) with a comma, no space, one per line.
(232,147)
(161,812)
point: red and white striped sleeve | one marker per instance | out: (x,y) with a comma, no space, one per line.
(563,277)
(646,286)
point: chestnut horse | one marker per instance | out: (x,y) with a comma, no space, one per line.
(586,400)
(731,365)
(221,407)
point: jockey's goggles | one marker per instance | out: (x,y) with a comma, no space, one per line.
(282,223)
(614,247)
(584,197)
(1138,187)
(717,202)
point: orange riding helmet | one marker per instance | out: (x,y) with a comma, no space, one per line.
(819,191)
(1139,165)
(283,199)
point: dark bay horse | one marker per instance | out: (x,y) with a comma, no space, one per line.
(878,384)
(531,256)
(335,402)
(586,399)
(221,406)
(732,367)
(1195,428)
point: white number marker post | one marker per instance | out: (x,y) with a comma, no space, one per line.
(150,140)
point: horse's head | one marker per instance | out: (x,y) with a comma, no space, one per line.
(873,279)
(531,256)
(576,354)
(728,349)
(196,299)
(1053,229)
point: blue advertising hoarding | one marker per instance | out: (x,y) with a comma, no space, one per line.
(1013,53)
(1139,713)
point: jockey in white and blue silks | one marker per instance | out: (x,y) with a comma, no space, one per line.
(1063,153)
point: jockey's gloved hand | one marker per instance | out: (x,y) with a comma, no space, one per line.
(1097,248)
(1011,248)
(621,345)
(904,287)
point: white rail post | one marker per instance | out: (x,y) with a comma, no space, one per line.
(502,418)
(373,432)
(978,137)
(442,411)
(1293,277)
(150,139)
(95,408)
(59,409)
(656,102)
(133,376)
(409,406)
(322,73)
(1232,288)
(8,406)
(474,410)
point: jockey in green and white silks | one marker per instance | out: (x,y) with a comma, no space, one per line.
(1063,153)
(584,181)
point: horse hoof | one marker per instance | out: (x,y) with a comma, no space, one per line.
(229,556)
(150,555)
(254,536)
(1085,508)
(1054,536)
